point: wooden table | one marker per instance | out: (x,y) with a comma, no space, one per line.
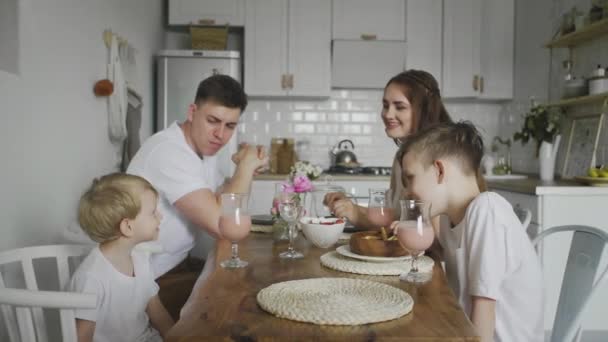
(223,304)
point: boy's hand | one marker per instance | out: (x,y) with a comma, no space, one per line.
(394,227)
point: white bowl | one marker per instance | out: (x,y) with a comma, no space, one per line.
(321,235)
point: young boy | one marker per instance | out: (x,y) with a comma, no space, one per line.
(490,262)
(119,211)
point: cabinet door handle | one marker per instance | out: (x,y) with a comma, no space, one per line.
(481,84)
(206,21)
(475,82)
(368,36)
(290,81)
(283,81)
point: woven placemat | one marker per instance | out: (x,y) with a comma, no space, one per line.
(259,228)
(335,301)
(341,263)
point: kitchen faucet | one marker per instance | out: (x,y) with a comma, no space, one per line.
(506,142)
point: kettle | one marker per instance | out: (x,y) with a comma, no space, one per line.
(343,156)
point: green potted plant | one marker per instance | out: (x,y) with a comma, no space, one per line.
(543,125)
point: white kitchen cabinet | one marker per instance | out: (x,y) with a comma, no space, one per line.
(375,63)
(564,205)
(478,48)
(287,48)
(424,36)
(369,20)
(206,12)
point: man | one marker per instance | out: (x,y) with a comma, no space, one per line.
(180,163)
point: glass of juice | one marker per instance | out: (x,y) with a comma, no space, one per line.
(379,211)
(415,233)
(234,225)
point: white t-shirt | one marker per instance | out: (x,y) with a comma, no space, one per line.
(488,254)
(175,170)
(120,314)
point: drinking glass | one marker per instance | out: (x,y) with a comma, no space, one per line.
(379,210)
(415,233)
(290,208)
(234,225)
(281,231)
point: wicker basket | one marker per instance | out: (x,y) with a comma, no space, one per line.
(209,38)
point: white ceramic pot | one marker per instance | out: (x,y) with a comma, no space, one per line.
(598,85)
(546,159)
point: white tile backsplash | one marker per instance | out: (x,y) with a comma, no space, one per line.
(347,114)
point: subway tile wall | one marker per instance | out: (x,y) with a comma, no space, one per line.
(347,114)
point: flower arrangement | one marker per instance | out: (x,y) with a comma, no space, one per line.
(301,175)
(541,123)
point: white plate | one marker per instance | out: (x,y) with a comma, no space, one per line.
(345,251)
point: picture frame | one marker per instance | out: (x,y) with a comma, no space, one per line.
(583,138)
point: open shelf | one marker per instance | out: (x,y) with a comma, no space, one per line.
(587,33)
(579,100)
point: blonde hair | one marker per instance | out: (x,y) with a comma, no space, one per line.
(108,201)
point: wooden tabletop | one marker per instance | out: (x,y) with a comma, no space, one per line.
(223,304)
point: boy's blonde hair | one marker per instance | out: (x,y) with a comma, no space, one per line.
(460,140)
(108,201)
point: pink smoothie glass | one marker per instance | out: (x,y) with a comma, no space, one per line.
(415,233)
(234,225)
(379,210)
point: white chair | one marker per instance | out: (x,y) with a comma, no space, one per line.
(22,308)
(578,286)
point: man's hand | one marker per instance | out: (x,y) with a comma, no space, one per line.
(251,158)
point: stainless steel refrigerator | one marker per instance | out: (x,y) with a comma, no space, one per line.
(178,74)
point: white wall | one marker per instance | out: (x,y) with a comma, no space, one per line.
(53,136)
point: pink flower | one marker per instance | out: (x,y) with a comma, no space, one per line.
(301,184)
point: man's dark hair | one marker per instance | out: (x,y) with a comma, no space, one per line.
(223,90)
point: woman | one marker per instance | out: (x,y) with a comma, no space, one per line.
(411,102)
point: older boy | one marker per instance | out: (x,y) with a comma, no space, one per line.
(490,262)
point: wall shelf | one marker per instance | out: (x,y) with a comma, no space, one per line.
(595,98)
(587,33)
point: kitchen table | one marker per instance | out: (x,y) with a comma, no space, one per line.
(223,303)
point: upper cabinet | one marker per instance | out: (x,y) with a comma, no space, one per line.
(375,63)
(369,20)
(478,48)
(424,23)
(369,45)
(206,12)
(285,53)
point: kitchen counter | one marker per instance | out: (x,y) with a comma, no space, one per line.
(534,186)
(334,177)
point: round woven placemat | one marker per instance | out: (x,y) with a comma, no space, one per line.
(341,263)
(335,301)
(258,228)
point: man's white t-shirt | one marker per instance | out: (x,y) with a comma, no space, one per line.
(120,314)
(488,254)
(174,169)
